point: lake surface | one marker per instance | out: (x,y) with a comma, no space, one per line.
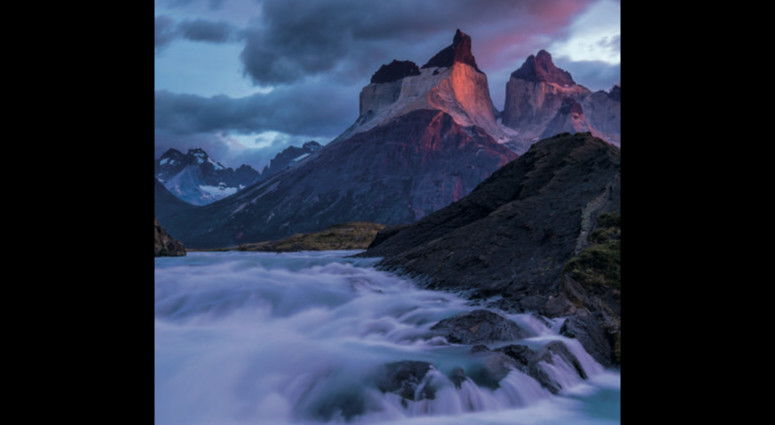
(297,338)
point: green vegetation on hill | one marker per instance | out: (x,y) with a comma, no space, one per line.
(599,265)
(597,269)
(353,235)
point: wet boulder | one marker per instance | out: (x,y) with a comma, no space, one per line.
(478,327)
(491,368)
(406,379)
(592,336)
(534,362)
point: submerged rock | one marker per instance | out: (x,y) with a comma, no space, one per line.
(479,327)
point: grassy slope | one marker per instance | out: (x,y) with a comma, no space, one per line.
(598,267)
(354,235)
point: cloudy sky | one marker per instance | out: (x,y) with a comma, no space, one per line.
(243,79)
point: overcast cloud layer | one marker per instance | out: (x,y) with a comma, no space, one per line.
(311,58)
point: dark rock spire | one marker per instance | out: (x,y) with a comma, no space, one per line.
(395,70)
(459,51)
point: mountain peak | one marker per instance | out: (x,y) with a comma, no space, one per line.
(197,152)
(616,93)
(458,51)
(541,68)
(172,152)
(312,146)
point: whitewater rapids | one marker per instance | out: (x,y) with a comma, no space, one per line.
(296,338)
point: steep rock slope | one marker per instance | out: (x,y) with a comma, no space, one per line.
(537,93)
(570,118)
(512,236)
(166,204)
(165,245)
(395,173)
(288,156)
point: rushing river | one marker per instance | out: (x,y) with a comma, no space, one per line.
(264,338)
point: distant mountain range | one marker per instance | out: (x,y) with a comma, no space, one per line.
(199,180)
(195,179)
(425,137)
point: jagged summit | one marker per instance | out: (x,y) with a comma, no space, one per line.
(541,68)
(449,82)
(288,156)
(543,100)
(615,93)
(395,70)
(458,51)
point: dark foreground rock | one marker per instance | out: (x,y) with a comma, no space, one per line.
(479,327)
(593,334)
(513,235)
(405,378)
(533,363)
(164,245)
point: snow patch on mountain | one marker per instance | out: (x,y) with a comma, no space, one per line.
(220,191)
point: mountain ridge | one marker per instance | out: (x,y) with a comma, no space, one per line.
(197,179)
(394,173)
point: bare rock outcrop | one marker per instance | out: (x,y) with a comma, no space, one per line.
(164,245)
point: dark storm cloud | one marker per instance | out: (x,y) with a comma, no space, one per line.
(164,31)
(208,31)
(311,108)
(296,38)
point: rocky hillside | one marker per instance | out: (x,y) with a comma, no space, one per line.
(288,156)
(165,203)
(394,173)
(164,245)
(512,237)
